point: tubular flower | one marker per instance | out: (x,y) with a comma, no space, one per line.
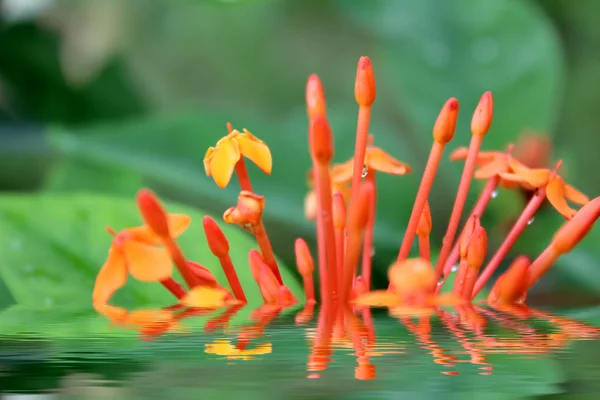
(557,190)
(220,161)
(135,251)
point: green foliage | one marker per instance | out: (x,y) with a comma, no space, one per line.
(54,245)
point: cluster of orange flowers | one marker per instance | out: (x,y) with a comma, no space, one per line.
(342,201)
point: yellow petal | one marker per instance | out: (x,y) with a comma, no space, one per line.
(556,197)
(148,317)
(223,160)
(206,161)
(575,195)
(342,173)
(514,178)
(378,298)
(381,161)
(255,150)
(178,223)
(205,297)
(147,263)
(112,276)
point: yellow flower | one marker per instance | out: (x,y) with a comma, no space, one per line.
(220,161)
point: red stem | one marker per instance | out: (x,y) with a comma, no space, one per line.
(433,162)
(459,204)
(242,175)
(175,288)
(325,214)
(179,259)
(516,231)
(367,255)
(360,148)
(232,278)
(424,250)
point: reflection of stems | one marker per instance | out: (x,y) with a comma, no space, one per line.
(221,321)
(175,288)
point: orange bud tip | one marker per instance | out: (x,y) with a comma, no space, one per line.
(472,244)
(202,273)
(575,229)
(320,139)
(484,113)
(304,260)
(445,125)
(315,97)
(424,227)
(229,127)
(153,213)
(111,231)
(217,241)
(364,87)
(255,260)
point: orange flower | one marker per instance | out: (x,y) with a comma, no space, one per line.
(376,159)
(220,161)
(557,190)
(135,250)
(489,164)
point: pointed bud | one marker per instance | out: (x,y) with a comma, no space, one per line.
(574,230)
(315,97)
(320,140)
(484,113)
(445,125)
(364,87)
(510,286)
(360,286)
(304,260)
(285,298)
(424,227)
(217,241)
(203,274)
(410,276)
(268,284)
(248,212)
(255,260)
(153,213)
(357,218)
(473,243)
(339,211)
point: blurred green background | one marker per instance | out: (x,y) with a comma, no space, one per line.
(106,96)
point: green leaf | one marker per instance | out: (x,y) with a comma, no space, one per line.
(54,245)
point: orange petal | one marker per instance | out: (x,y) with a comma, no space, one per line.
(223,160)
(255,150)
(116,314)
(378,298)
(514,178)
(112,276)
(148,317)
(342,173)
(178,223)
(381,161)
(205,297)
(459,154)
(556,197)
(490,169)
(147,263)
(575,195)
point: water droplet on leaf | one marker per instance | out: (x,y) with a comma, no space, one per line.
(454,268)
(531,221)
(494,194)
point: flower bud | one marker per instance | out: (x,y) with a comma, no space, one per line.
(364,87)
(358,217)
(483,115)
(339,211)
(575,229)
(320,140)
(424,226)
(217,241)
(304,260)
(410,276)
(153,213)
(445,124)
(473,243)
(248,211)
(315,97)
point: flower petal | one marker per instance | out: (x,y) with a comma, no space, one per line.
(575,195)
(147,263)
(207,158)
(255,150)
(223,160)
(205,297)
(112,276)
(459,154)
(556,197)
(310,206)
(178,223)
(381,161)
(342,173)
(488,170)
(378,298)
(117,315)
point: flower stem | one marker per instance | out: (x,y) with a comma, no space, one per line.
(180,262)
(516,231)
(540,266)
(175,288)
(433,162)
(232,278)
(479,209)
(367,254)
(360,148)
(424,250)
(459,203)
(325,215)
(242,175)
